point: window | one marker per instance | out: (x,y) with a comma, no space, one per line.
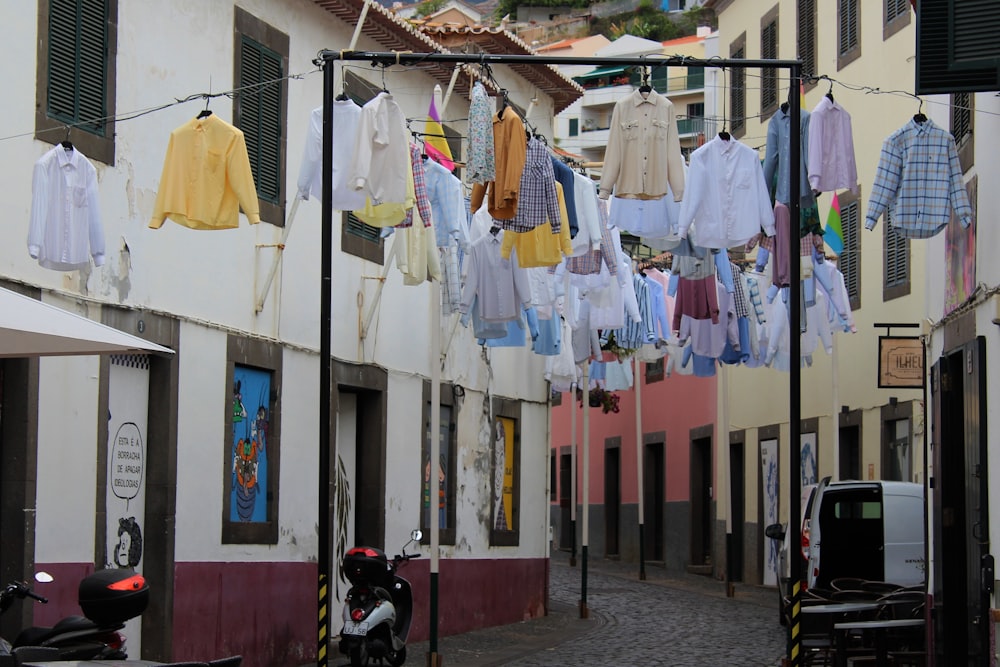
(251,450)
(769,51)
(848,32)
(850,259)
(75,76)
(445,474)
(956,46)
(738,88)
(807,36)
(506,473)
(896,261)
(695,78)
(962,108)
(574,127)
(897,449)
(895,16)
(260,107)
(655,370)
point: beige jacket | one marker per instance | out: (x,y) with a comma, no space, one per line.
(644,151)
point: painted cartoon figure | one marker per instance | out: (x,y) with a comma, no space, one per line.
(499,464)
(128,553)
(245,473)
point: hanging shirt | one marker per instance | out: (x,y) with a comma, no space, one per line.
(536,200)
(777,157)
(831,158)
(727,199)
(510,149)
(589,212)
(65,229)
(644,151)
(206,177)
(920,177)
(381,163)
(539,246)
(567,177)
(481,164)
(423,203)
(444,191)
(346,117)
(501,285)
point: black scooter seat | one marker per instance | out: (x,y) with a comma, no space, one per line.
(37,635)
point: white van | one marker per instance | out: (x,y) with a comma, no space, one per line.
(870,530)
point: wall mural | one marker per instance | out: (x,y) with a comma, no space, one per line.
(248,499)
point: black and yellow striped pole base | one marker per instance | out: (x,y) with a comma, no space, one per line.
(794,627)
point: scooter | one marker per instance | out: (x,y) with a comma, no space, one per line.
(379,606)
(108,598)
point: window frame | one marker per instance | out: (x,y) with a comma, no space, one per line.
(852,237)
(507,409)
(738,82)
(893,24)
(846,56)
(52,130)
(655,370)
(249,27)
(895,252)
(263,356)
(446,535)
(769,96)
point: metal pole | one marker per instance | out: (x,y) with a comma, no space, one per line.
(795,371)
(325,295)
(574,387)
(584,613)
(434,484)
(638,467)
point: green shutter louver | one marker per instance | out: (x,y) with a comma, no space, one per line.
(358,228)
(848,26)
(897,256)
(849,261)
(261,81)
(77,63)
(957,49)
(807,36)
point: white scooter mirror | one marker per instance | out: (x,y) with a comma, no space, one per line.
(416,535)
(43,577)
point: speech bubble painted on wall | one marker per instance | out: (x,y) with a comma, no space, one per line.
(126,462)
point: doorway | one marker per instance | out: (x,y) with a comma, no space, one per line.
(654,497)
(960,507)
(850,452)
(612,495)
(565,499)
(701,502)
(737,502)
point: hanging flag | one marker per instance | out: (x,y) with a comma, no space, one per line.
(435,145)
(834,234)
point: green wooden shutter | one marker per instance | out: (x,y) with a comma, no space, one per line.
(769,75)
(848,26)
(849,262)
(897,256)
(895,8)
(261,73)
(807,35)
(77,63)
(738,100)
(358,228)
(574,127)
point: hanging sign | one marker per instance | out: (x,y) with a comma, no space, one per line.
(900,362)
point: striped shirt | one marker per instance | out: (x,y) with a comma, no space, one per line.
(920,177)
(419,188)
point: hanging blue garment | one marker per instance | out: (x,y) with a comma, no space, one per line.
(549,340)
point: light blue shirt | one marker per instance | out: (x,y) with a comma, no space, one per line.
(777,157)
(444,191)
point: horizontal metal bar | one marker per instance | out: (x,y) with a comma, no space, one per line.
(409,58)
(893,325)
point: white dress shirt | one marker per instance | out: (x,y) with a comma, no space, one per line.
(831,153)
(346,118)
(588,234)
(501,285)
(65,229)
(726,199)
(382,152)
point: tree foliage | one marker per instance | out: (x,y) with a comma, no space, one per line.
(428,7)
(510,6)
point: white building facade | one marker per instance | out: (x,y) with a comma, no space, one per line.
(201,470)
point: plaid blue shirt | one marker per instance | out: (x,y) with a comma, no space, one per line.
(537,201)
(919,175)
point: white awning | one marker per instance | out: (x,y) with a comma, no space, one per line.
(31,328)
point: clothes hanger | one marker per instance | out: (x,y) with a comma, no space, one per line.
(919,117)
(206,112)
(829,93)
(645,88)
(343,97)
(66,143)
(723,134)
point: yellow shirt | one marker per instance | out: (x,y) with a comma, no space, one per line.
(206,177)
(388,214)
(540,247)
